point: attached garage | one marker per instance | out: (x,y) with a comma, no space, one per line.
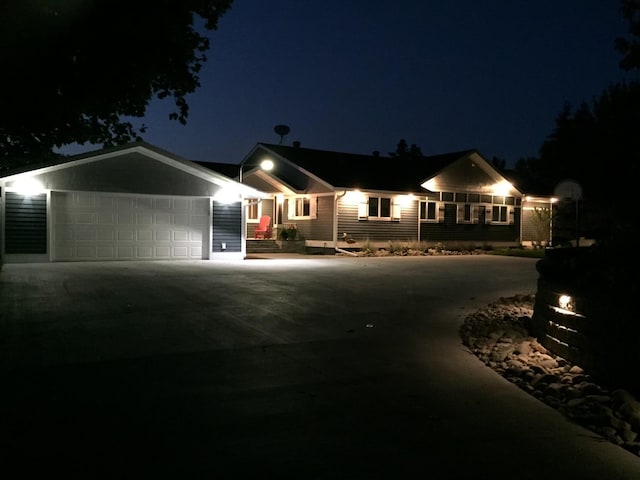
(94,226)
(134,202)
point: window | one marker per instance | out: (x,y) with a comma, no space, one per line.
(302,208)
(379,207)
(499,214)
(461,197)
(428,211)
(254,210)
(446,196)
(466,212)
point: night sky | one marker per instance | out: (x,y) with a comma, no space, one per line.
(357,76)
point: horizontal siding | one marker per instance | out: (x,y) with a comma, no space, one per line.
(378,230)
(26,223)
(439,232)
(227,227)
(321,227)
(530,227)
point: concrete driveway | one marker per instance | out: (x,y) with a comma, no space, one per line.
(308,367)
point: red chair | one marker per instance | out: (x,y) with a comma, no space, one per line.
(263,230)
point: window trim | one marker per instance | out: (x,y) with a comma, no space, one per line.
(394,209)
(258,206)
(293,205)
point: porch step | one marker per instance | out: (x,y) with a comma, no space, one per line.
(275,246)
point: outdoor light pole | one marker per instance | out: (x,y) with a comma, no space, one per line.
(266,165)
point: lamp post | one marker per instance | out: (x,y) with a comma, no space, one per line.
(266,165)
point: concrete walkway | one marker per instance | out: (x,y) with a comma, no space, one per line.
(305,367)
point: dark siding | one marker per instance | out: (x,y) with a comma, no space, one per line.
(478,233)
(321,227)
(378,231)
(227,227)
(26,223)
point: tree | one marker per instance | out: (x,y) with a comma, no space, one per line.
(598,146)
(74,72)
(403,151)
(630,47)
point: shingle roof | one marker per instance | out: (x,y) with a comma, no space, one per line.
(227,169)
(366,171)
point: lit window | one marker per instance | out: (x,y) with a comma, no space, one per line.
(253,210)
(302,208)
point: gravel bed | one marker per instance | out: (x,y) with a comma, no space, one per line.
(499,335)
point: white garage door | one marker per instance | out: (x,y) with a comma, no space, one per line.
(97,226)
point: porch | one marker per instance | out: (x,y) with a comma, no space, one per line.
(271,245)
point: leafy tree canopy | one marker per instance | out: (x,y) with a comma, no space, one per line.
(73,70)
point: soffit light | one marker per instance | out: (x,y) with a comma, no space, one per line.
(28,186)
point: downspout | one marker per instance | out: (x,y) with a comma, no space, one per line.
(335,229)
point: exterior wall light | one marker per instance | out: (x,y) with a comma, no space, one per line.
(266,165)
(227,195)
(28,186)
(565,302)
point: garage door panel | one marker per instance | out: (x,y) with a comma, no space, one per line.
(181,252)
(87,218)
(106,235)
(91,226)
(144,235)
(163,235)
(144,219)
(85,251)
(105,218)
(86,235)
(126,235)
(180,236)
(105,252)
(125,252)
(124,218)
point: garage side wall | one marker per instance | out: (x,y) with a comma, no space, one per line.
(227,227)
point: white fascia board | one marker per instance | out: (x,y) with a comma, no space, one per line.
(183,165)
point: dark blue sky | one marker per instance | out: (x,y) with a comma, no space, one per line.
(358,75)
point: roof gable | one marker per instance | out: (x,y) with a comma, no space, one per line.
(366,172)
(470,172)
(137,167)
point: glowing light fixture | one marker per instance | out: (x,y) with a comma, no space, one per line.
(354,197)
(28,186)
(502,188)
(227,195)
(405,200)
(266,164)
(565,302)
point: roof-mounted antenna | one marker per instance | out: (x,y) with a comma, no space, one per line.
(281,130)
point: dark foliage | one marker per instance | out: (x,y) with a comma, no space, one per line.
(630,46)
(404,151)
(598,146)
(76,71)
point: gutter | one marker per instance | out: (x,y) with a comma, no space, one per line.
(346,252)
(335,227)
